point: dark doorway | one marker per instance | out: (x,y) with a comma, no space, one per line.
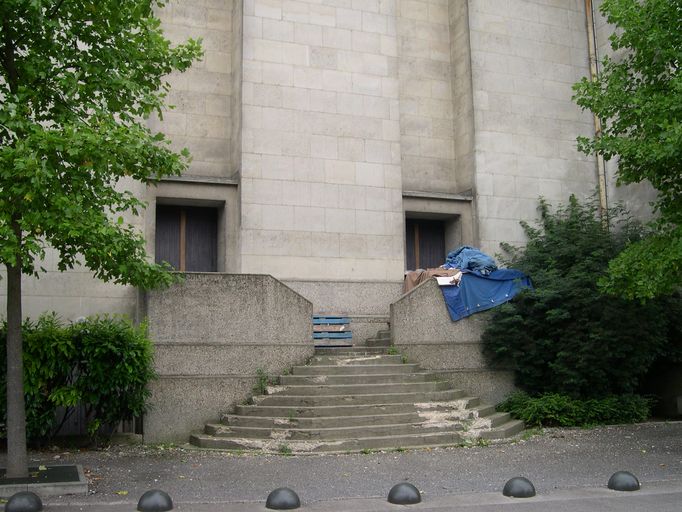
(424,243)
(187,237)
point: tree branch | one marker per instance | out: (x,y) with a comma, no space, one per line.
(55,9)
(8,56)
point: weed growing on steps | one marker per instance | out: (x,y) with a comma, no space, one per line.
(285,449)
(392,351)
(403,358)
(261,382)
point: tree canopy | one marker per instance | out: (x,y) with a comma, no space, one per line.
(638,97)
(78,78)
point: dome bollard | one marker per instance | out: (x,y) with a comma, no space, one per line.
(404,494)
(283,498)
(624,481)
(24,502)
(155,501)
(519,487)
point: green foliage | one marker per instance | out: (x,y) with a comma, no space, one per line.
(638,98)
(103,364)
(565,336)
(48,352)
(114,366)
(557,410)
(285,449)
(262,380)
(77,81)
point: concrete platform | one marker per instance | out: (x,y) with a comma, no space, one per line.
(53,480)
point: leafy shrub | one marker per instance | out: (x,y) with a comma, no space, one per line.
(565,336)
(115,364)
(48,351)
(102,364)
(556,410)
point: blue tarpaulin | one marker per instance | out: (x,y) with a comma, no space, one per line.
(470,258)
(477,292)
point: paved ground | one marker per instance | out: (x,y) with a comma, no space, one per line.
(569,468)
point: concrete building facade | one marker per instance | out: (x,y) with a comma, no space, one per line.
(330,138)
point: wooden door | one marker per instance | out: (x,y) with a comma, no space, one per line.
(186,237)
(424,243)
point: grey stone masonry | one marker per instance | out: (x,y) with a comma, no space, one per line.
(213,334)
(422,329)
(356,399)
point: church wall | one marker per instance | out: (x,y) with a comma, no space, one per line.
(426,102)
(320,175)
(201,119)
(525,56)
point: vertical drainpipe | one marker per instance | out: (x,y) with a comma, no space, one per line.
(594,72)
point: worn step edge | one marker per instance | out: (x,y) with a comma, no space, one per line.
(376,378)
(360,389)
(505,430)
(324,411)
(345,360)
(310,400)
(355,351)
(338,446)
(329,433)
(328,411)
(321,421)
(355,369)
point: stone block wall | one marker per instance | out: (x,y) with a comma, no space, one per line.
(422,330)
(320,176)
(212,333)
(202,118)
(426,102)
(525,56)
(366,303)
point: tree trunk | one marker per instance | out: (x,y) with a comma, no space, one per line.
(17,456)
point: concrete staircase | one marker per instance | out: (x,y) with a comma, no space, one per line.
(357,399)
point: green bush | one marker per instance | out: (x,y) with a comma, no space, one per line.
(565,336)
(556,410)
(102,364)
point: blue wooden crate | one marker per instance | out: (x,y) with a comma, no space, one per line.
(330,320)
(346,335)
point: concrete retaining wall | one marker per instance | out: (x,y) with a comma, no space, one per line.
(367,303)
(422,330)
(212,333)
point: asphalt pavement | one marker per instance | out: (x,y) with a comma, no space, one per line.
(569,468)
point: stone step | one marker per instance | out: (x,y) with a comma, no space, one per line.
(384,333)
(498,418)
(320,422)
(378,342)
(507,429)
(353,369)
(380,398)
(352,351)
(378,378)
(372,359)
(339,446)
(331,433)
(361,389)
(324,410)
